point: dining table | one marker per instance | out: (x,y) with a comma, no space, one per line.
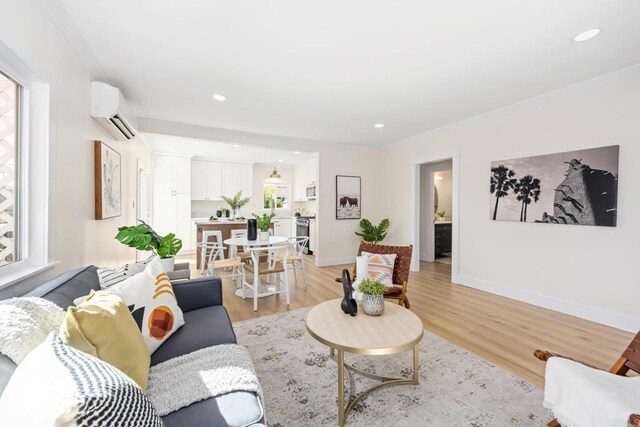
(267,289)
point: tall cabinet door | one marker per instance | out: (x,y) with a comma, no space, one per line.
(214,181)
(163,213)
(183,219)
(182,175)
(199,180)
(164,174)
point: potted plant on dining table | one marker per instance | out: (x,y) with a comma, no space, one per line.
(263,223)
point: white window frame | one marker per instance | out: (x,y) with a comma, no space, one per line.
(33,180)
(281,183)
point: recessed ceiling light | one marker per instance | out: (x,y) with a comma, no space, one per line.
(219,97)
(589,34)
(236,146)
(296,152)
(280,160)
(378,125)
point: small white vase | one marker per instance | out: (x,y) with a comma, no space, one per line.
(263,235)
(373,305)
(168,263)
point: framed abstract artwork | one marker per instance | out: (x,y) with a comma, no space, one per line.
(108,181)
(348,198)
(575,187)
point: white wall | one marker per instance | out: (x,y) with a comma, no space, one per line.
(76,238)
(586,271)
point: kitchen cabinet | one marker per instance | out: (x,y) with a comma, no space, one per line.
(303,176)
(442,238)
(282,227)
(236,177)
(172,198)
(206,180)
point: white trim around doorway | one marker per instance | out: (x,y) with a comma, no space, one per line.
(452,154)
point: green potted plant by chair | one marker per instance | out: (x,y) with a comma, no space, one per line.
(373,233)
(235,203)
(372,297)
(144,238)
(263,222)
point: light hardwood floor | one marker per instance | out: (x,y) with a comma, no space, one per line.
(501,330)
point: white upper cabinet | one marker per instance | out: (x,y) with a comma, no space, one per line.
(236,177)
(206,180)
(303,176)
(173,175)
(214,181)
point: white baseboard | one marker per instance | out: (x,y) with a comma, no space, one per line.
(584,311)
(327,262)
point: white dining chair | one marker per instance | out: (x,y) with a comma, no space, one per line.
(296,257)
(274,263)
(230,267)
(233,250)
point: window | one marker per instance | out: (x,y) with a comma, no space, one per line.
(10,244)
(276,196)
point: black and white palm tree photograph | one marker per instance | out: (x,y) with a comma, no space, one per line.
(575,187)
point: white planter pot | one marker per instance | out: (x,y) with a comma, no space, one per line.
(373,305)
(168,263)
(263,235)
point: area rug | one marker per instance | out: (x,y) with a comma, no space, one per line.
(457,388)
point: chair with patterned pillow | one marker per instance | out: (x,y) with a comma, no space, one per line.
(389,265)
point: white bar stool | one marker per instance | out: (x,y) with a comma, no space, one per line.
(203,251)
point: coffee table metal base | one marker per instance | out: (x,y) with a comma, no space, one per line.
(353,398)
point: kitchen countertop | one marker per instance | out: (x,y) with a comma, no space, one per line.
(442,222)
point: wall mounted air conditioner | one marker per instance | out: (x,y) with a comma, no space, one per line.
(109,108)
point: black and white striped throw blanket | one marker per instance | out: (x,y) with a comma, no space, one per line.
(205,373)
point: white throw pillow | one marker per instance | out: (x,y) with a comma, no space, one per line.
(57,385)
(152,302)
(112,276)
(381,267)
(25,323)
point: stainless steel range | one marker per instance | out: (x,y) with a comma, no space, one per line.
(302,229)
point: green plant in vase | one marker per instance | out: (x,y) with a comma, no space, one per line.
(372,296)
(373,233)
(263,222)
(236,202)
(144,238)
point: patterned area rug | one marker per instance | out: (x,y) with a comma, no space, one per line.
(456,386)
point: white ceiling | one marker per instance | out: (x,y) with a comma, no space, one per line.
(330,70)
(224,151)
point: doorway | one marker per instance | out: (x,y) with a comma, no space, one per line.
(144,192)
(435,211)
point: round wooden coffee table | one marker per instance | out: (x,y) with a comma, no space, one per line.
(395,331)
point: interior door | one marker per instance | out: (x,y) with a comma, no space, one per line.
(144,201)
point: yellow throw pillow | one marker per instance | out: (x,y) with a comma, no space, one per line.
(102,326)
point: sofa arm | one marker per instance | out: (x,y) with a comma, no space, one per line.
(198,293)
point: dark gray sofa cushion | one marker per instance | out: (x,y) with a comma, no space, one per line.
(68,286)
(234,409)
(202,328)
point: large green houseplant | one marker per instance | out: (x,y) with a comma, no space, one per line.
(373,233)
(144,238)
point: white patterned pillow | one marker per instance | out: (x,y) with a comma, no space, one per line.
(57,385)
(25,323)
(381,267)
(112,276)
(149,295)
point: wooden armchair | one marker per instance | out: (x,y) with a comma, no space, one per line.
(629,361)
(401,267)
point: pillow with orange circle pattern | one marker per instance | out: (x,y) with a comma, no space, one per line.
(153,305)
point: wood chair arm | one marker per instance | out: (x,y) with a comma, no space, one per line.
(339,279)
(546,355)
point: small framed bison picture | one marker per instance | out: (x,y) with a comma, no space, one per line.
(348,198)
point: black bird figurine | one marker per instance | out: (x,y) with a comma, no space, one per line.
(348,304)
